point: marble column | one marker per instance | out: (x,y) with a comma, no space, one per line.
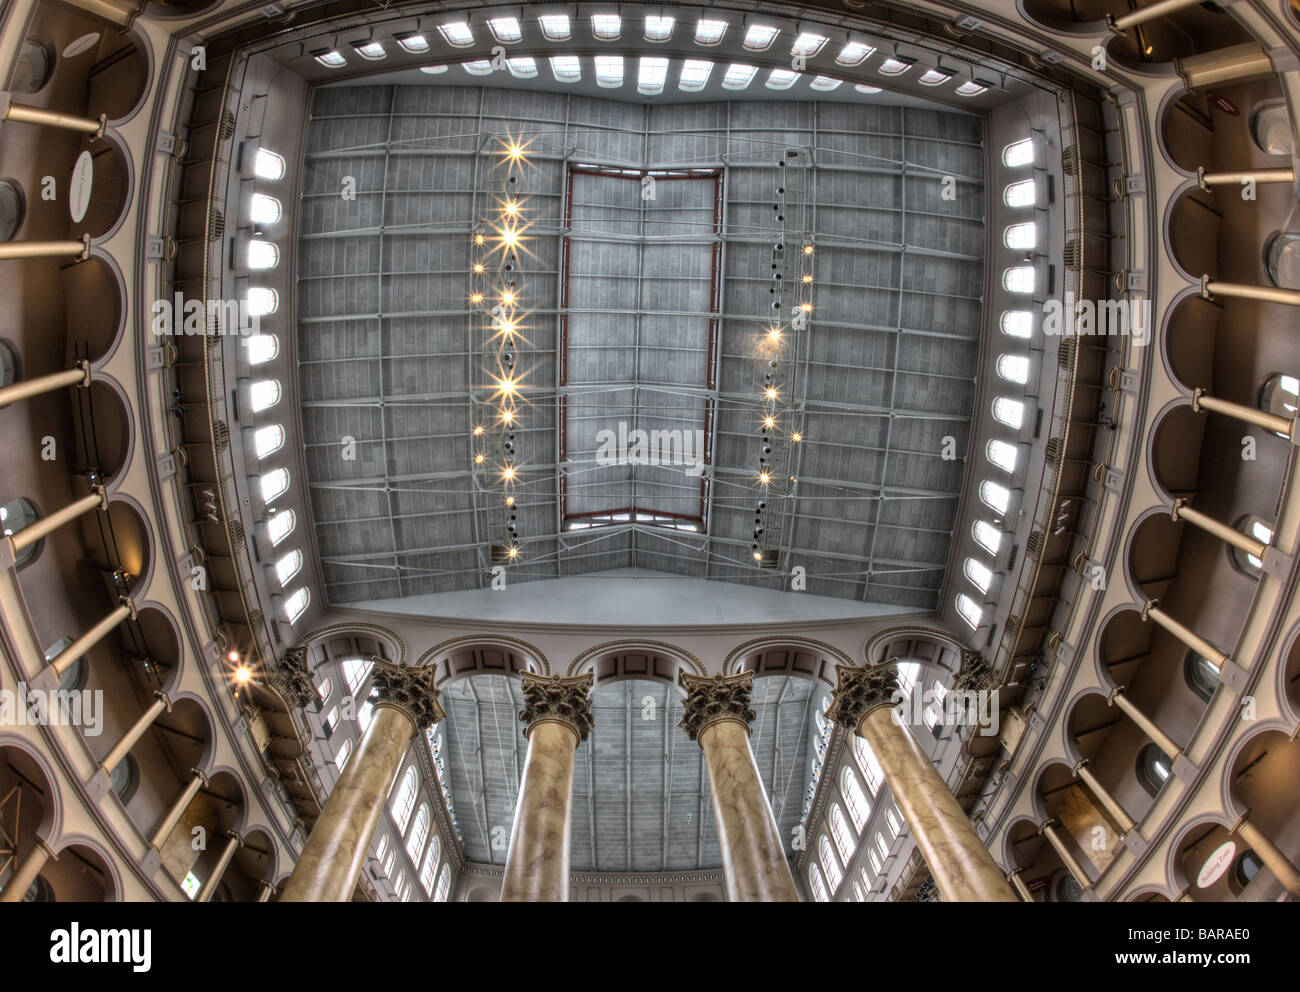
(1021,888)
(233,843)
(865,701)
(717,715)
(558,714)
(331,861)
(21,880)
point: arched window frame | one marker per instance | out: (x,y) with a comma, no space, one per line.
(859,806)
(402,803)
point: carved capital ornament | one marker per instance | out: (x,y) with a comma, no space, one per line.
(293,678)
(410,690)
(710,700)
(974,674)
(858,691)
(559,700)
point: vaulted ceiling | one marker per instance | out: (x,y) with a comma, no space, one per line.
(645,311)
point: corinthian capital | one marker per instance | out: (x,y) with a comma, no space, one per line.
(555,698)
(293,678)
(710,699)
(410,690)
(860,690)
(974,673)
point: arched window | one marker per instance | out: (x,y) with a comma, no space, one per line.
(739,76)
(858,894)
(840,831)
(444,884)
(522,67)
(365,715)
(1001,454)
(1019,194)
(262,300)
(816,884)
(1280,395)
(695,75)
(969,611)
(1247,867)
(567,68)
(295,605)
(981,577)
(1153,768)
(274,484)
(288,566)
(429,869)
(477,67)
(830,865)
(759,37)
(987,536)
(808,44)
(280,526)
(268,165)
(331,60)
(331,719)
(419,833)
(14,516)
(324,689)
(8,357)
(651,75)
(882,845)
(1017,323)
(263,209)
(264,394)
(875,860)
(659,28)
(996,497)
(781,79)
(606,27)
(893,67)
(1202,674)
(854,798)
(1252,526)
(866,759)
(1008,411)
(505,29)
(268,440)
(262,254)
(1018,279)
(609,70)
(1018,153)
(261,348)
(892,821)
(1271,129)
(1282,259)
(403,800)
(355,672)
(1020,237)
(124,778)
(345,752)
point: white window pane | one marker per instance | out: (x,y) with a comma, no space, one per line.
(554,26)
(651,75)
(261,348)
(416,44)
(695,74)
(263,209)
(274,484)
(864,88)
(280,526)
(372,51)
(808,44)
(979,574)
(264,394)
(739,76)
(759,37)
(262,301)
(933,77)
(709,32)
(457,33)
(824,84)
(1002,455)
(969,611)
(296,605)
(1018,153)
(1008,411)
(659,28)
(1019,194)
(995,496)
(433,70)
(505,29)
(522,68)
(987,536)
(893,67)
(781,79)
(609,70)
(288,566)
(1020,236)
(1019,279)
(854,53)
(970,89)
(331,60)
(567,68)
(1017,323)
(268,165)
(478,67)
(606,27)
(268,439)
(1014,368)
(262,255)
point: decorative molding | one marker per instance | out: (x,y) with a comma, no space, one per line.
(410,690)
(311,638)
(704,876)
(974,674)
(293,678)
(558,699)
(679,654)
(776,640)
(710,700)
(882,640)
(861,690)
(431,657)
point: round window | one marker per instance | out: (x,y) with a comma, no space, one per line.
(1202,674)
(35,66)
(1282,259)
(1271,130)
(13,208)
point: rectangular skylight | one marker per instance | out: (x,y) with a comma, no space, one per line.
(759,37)
(606,27)
(781,79)
(505,29)
(894,67)
(433,70)
(567,68)
(479,67)
(371,50)
(933,77)
(609,70)
(709,32)
(416,44)
(555,27)
(659,28)
(864,88)
(457,33)
(650,78)
(824,84)
(970,88)
(523,67)
(739,76)
(331,60)
(695,74)
(854,53)
(808,44)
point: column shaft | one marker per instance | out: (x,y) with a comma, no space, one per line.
(1260,418)
(1229,535)
(1019,885)
(1071,862)
(19,113)
(754,864)
(69,655)
(132,736)
(178,809)
(1147,725)
(331,861)
(961,865)
(1194,641)
(1116,810)
(45,249)
(27,388)
(45,526)
(537,861)
(1150,12)
(210,886)
(1265,294)
(1225,65)
(1277,862)
(21,880)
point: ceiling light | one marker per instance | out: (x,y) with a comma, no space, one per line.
(796,437)
(806,307)
(478,459)
(507,416)
(514,551)
(508,473)
(774,334)
(807,279)
(478,239)
(478,430)
(765,477)
(770,393)
(478,268)
(807,249)
(769,422)
(242,674)
(507,385)
(508,297)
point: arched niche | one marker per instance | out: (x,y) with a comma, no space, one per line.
(1153,551)
(83,872)
(466,656)
(651,661)
(1189,339)
(1193,219)
(94,305)
(105,431)
(1176,449)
